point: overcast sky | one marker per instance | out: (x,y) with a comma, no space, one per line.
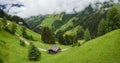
(37,7)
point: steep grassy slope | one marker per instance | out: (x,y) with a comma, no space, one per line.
(53,21)
(34,21)
(104,49)
(36,36)
(12,52)
(67,25)
(50,20)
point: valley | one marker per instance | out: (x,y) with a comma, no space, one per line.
(88,36)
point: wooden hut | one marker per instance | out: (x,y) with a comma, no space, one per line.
(54,49)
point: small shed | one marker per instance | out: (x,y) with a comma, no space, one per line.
(54,49)
(20,23)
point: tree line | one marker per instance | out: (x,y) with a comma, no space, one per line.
(49,37)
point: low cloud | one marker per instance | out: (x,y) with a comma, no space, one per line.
(37,7)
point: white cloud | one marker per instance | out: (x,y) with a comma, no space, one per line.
(37,7)
(9,1)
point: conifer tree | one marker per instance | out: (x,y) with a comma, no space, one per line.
(47,36)
(34,53)
(13,28)
(4,20)
(87,35)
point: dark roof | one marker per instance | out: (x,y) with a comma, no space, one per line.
(54,48)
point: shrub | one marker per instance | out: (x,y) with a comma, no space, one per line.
(13,28)
(24,33)
(78,44)
(22,43)
(31,37)
(34,53)
(1,61)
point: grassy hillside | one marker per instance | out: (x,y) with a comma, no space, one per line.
(50,20)
(36,36)
(34,21)
(53,21)
(14,49)
(12,52)
(67,25)
(104,49)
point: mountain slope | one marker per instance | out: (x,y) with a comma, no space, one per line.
(104,49)
(50,20)
(13,47)
(10,49)
(34,21)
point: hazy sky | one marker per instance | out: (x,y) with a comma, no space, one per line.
(37,7)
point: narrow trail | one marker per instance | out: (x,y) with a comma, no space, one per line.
(21,38)
(40,49)
(28,43)
(65,49)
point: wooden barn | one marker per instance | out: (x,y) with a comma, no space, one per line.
(54,49)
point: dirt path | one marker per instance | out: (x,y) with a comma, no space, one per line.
(65,49)
(40,49)
(26,42)
(21,38)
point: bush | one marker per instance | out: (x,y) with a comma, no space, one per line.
(24,33)
(22,43)
(31,37)
(78,44)
(13,28)
(34,53)
(1,61)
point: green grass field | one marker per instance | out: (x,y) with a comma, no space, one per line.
(104,49)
